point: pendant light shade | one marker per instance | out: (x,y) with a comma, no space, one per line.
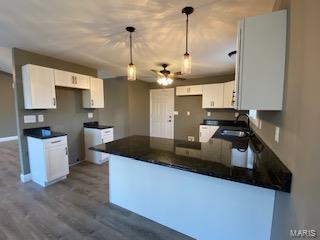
(186,64)
(131,69)
(186,61)
(131,72)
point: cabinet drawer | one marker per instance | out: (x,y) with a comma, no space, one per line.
(107,131)
(53,142)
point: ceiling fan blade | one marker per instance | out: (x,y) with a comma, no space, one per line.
(156,72)
(179,78)
(178,73)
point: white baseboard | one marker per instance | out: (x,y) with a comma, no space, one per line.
(25,178)
(7,139)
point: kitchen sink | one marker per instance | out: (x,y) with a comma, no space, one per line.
(233,133)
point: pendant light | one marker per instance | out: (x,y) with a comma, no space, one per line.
(131,70)
(186,61)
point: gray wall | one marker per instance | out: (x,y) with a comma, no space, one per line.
(126,107)
(116,109)
(139,109)
(299,122)
(185,125)
(69,115)
(8,117)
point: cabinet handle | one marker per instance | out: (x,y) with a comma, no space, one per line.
(72,79)
(67,151)
(92,102)
(54,101)
(75,77)
(55,141)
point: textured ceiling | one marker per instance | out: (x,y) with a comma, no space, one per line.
(93,32)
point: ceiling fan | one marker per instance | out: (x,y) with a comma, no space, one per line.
(165,77)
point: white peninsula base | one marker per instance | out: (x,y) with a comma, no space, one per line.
(200,206)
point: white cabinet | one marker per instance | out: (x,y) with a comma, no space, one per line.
(48,159)
(206,132)
(189,90)
(38,87)
(228,94)
(72,80)
(212,95)
(260,64)
(93,137)
(94,97)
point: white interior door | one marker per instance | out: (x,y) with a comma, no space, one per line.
(161,113)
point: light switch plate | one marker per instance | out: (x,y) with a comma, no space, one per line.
(175,113)
(236,114)
(90,115)
(188,113)
(277,134)
(29,119)
(40,118)
(208,114)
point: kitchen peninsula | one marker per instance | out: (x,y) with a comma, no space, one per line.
(204,190)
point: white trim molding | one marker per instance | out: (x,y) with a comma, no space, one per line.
(7,139)
(25,177)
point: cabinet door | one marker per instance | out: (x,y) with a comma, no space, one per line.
(63,78)
(195,90)
(57,162)
(212,96)
(38,87)
(228,94)
(260,65)
(189,90)
(81,81)
(97,93)
(94,97)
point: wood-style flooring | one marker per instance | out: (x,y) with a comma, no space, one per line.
(75,208)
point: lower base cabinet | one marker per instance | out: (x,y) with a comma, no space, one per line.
(48,159)
(93,137)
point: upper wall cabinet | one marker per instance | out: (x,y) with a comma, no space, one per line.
(212,95)
(38,87)
(260,65)
(189,90)
(228,94)
(94,97)
(72,80)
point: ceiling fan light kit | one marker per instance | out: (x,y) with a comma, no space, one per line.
(186,61)
(164,81)
(131,69)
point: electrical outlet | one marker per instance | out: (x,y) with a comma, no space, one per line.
(191,138)
(40,118)
(260,123)
(208,114)
(277,134)
(188,113)
(90,115)
(29,119)
(175,113)
(236,114)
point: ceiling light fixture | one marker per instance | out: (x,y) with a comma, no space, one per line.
(132,73)
(164,81)
(186,61)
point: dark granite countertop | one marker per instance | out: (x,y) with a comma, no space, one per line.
(42,133)
(246,160)
(95,125)
(229,123)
